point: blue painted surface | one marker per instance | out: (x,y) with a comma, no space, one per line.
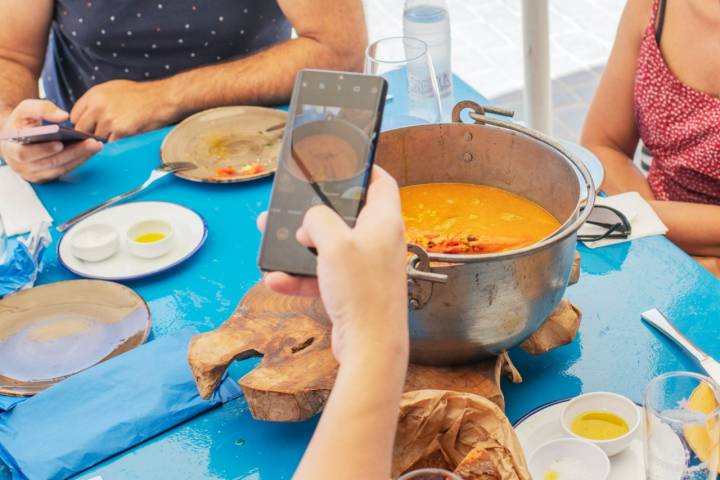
(614,350)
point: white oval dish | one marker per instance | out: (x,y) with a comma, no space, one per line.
(543,424)
(569,458)
(604,402)
(95,243)
(154,249)
(190,232)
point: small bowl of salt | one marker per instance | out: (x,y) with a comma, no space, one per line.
(95,243)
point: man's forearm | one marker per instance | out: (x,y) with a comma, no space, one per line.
(260,79)
(16,84)
(694,227)
(355,436)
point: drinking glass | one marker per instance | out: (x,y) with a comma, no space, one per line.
(682,433)
(413,96)
(430,474)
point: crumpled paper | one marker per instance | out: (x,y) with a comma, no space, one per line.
(453,430)
(559,329)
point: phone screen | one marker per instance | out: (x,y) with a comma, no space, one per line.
(327,152)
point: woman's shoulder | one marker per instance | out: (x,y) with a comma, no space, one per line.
(641,12)
(636,18)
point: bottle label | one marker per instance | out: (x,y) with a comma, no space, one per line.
(444,83)
(422,86)
(419,86)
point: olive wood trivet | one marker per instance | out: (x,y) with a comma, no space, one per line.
(297,371)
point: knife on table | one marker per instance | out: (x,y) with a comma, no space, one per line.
(656,318)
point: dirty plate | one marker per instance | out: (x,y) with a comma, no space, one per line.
(189,234)
(50,332)
(228,144)
(543,424)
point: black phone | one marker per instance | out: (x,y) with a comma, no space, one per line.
(46,133)
(326,156)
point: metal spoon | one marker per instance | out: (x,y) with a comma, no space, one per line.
(159,172)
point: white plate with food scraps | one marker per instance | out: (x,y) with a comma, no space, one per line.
(189,234)
(543,424)
(228,144)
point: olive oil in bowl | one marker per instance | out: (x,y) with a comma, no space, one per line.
(597,425)
(150,237)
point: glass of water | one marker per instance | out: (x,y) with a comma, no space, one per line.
(413,96)
(430,474)
(682,429)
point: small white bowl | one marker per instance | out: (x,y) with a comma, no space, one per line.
(571,458)
(150,249)
(604,402)
(95,243)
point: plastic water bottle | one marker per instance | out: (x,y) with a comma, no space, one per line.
(429,20)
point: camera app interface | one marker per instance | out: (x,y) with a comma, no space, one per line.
(324,160)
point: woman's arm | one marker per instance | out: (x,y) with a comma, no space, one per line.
(694,227)
(610,130)
(355,436)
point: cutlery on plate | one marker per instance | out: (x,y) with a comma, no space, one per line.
(656,318)
(279,126)
(156,174)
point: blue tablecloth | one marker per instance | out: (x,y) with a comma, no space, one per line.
(106,409)
(614,350)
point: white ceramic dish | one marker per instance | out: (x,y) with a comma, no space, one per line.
(154,249)
(604,402)
(569,458)
(94,243)
(543,424)
(189,228)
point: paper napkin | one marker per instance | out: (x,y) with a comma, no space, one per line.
(20,208)
(639,213)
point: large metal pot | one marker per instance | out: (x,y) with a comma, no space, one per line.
(481,305)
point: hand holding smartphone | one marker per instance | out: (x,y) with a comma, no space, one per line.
(46,133)
(327,153)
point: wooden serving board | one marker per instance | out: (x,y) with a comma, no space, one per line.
(297,371)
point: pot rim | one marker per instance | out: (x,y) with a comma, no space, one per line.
(569,227)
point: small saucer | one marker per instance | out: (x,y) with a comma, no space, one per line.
(190,232)
(543,424)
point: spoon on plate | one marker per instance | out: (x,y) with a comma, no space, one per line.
(279,126)
(159,172)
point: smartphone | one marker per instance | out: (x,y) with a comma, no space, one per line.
(326,156)
(46,133)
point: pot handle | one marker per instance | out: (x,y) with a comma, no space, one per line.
(478,115)
(421,259)
(477,108)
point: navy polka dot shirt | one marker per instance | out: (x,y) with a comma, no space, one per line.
(93,41)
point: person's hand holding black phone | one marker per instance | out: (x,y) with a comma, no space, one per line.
(361,274)
(51,157)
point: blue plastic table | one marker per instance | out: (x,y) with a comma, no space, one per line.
(614,350)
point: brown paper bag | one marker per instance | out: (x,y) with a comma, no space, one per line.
(452,430)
